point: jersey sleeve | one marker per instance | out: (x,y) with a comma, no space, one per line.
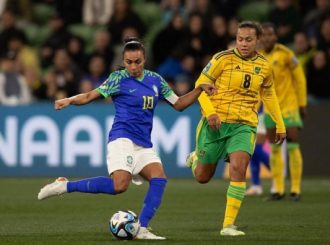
(269,78)
(211,71)
(209,75)
(110,86)
(299,79)
(269,99)
(166,92)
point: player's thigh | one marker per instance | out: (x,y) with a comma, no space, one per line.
(121,180)
(121,156)
(292,134)
(271,128)
(293,123)
(209,146)
(153,170)
(148,164)
(242,138)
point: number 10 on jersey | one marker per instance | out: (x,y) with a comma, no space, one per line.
(148,102)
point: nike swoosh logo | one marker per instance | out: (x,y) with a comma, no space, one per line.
(131,90)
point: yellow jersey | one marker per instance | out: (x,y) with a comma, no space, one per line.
(289,78)
(241,84)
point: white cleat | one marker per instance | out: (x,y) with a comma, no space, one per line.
(190,159)
(254,190)
(231,230)
(58,187)
(145,234)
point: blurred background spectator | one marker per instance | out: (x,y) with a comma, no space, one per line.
(13,87)
(63,47)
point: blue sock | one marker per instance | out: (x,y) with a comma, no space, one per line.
(92,185)
(255,171)
(258,156)
(152,200)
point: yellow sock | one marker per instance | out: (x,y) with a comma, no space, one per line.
(235,195)
(277,165)
(296,166)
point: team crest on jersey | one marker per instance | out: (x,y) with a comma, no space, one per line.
(257,70)
(155,89)
(201,153)
(207,67)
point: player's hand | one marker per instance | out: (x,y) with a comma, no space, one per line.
(60,104)
(214,121)
(279,138)
(208,88)
(303,112)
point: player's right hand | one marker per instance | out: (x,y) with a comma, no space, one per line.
(60,104)
(279,138)
(214,121)
(209,89)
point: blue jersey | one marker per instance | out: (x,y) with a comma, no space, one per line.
(135,101)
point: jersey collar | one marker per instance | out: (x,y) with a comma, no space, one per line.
(140,79)
(236,52)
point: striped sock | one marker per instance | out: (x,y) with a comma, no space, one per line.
(235,195)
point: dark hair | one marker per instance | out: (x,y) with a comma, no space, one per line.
(132,44)
(269,25)
(250,24)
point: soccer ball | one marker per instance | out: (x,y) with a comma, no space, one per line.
(124,225)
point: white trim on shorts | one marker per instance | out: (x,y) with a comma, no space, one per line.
(124,154)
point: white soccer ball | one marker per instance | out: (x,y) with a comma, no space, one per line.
(124,225)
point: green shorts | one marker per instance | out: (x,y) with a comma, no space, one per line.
(214,145)
(291,119)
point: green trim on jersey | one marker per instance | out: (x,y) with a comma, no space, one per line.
(215,145)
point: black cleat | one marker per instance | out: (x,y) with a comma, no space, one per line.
(275,197)
(295,197)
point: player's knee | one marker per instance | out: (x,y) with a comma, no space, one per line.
(202,178)
(121,186)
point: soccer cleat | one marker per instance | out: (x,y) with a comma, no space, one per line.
(254,190)
(145,234)
(275,197)
(231,230)
(190,159)
(58,187)
(295,197)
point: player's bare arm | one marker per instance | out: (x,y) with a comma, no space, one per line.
(80,99)
(186,100)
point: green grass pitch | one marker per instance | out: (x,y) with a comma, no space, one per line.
(190,214)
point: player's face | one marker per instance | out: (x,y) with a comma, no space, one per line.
(246,41)
(134,62)
(268,38)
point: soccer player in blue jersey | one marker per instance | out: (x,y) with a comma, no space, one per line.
(135,93)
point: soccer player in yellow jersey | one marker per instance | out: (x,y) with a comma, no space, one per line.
(290,87)
(227,129)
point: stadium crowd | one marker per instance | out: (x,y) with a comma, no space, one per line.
(54,49)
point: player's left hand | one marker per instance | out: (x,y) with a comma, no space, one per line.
(208,88)
(279,138)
